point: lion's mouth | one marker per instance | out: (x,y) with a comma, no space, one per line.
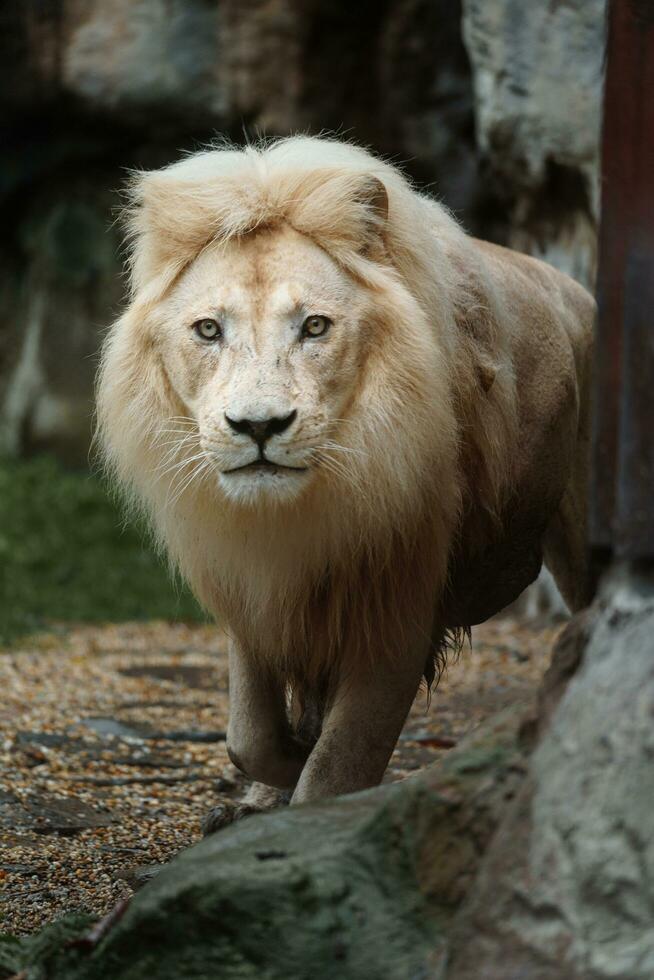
(264,465)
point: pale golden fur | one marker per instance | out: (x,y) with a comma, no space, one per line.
(425,460)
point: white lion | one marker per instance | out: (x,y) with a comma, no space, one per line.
(354,429)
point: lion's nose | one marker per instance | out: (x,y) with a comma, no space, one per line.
(262,429)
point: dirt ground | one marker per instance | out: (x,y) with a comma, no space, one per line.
(112,749)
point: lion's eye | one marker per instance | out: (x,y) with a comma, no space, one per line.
(316,326)
(208,329)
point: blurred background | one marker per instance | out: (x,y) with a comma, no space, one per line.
(493,105)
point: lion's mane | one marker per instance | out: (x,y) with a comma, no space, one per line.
(355,568)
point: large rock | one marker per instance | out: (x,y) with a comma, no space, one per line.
(359,888)
(538,71)
(566,891)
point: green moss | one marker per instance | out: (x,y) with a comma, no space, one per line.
(65,554)
(34,956)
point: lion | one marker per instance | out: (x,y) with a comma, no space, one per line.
(355,431)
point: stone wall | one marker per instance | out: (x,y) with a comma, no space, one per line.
(537,71)
(88,89)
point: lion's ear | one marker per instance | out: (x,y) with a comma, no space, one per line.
(345,211)
(372,194)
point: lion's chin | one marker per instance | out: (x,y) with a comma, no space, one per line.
(253,487)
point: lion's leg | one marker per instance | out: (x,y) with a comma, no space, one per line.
(259,737)
(565,551)
(565,544)
(259,742)
(360,728)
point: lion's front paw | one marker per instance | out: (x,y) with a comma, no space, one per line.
(257,799)
(223,814)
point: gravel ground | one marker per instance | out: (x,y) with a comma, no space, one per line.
(112,750)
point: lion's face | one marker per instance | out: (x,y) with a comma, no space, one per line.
(264,341)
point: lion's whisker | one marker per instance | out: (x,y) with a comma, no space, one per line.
(181,464)
(174,448)
(175,490)
(336,467)
(336,447)
(195,473)
(180,440)
(177,432)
